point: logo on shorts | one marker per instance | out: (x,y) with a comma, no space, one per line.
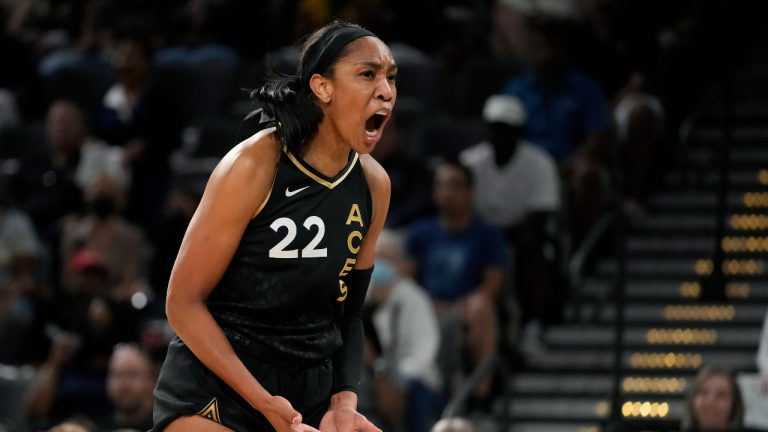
(211,411)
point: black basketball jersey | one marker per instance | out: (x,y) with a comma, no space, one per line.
(284,287)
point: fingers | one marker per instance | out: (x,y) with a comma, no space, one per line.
(307,428)
(296,425)
(366,426)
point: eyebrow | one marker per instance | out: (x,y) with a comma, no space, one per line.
(377,65)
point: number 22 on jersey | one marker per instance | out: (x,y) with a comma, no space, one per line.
(311,250)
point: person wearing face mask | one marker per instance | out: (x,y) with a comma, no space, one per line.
(404,361)
(267,291)
(103,229)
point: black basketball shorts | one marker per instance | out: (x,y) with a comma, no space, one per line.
(186,386)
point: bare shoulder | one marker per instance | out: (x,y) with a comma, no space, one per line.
(256,153)
(378,184)
(377,177)
(243,178)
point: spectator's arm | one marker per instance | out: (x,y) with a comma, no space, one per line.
(495,260)
(41,395)
(493,279)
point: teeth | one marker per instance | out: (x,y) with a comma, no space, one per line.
(371,133)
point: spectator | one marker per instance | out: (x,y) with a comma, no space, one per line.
(517,190)
(130,382)
(406,377)
(714,403)
(622,57)
(460,261)
(19,246)
(100,229)
(22,297)
(567,117)
(89,324)
(138,115)
(50,188)
(68,132)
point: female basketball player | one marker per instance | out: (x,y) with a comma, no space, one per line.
(267,289)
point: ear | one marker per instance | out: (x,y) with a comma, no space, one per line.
(322,87)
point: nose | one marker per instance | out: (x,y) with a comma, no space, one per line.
(386,90)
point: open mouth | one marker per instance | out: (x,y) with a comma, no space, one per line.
(374,123)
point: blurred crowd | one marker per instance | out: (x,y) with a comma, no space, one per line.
(516,123)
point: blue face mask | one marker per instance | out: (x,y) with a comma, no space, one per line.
(384,273)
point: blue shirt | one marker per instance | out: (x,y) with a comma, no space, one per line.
(452,264)
(562,115)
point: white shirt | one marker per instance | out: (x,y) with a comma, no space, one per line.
(97,159)
(17,239)
(762,350)
(506,195)
(417,336)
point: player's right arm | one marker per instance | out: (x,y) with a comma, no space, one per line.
(236,189)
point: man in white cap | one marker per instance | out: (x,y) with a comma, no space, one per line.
(517,189)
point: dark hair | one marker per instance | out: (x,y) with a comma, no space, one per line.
(78,106)
(689,421)
(558,31)
(288,98)
(454,161)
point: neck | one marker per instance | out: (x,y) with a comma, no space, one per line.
(719,428)
(326,152)
(134,89)
(503,154)
(550,76)
(62,159)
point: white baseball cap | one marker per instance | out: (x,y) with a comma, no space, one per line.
(505,109)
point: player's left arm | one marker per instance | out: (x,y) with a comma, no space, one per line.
(348,362)
(378,183)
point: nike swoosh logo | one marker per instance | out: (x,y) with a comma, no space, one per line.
(289,193)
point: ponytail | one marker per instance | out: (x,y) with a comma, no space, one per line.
(293,107)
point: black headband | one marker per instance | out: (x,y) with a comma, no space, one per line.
(331,49)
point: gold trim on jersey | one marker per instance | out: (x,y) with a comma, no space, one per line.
(269,194)
(211,411)
(315,177)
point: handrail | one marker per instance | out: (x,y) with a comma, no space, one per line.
(578,261)
(455,406)
(690,121)
(687,126)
